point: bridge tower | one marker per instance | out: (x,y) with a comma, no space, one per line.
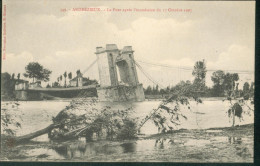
(118,75)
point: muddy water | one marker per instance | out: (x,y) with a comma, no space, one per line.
(197,144)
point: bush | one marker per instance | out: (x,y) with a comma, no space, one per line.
(82,119)
(128,131)
(246,96)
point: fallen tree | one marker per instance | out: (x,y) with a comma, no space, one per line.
(83,118)
(10,141)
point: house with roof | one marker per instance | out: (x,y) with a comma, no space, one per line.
(21,84)
(24,84)
(80,81)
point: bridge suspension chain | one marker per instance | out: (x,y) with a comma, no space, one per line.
(148,76)
(89,66)
(191,69)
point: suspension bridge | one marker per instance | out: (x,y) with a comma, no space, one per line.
(117,76)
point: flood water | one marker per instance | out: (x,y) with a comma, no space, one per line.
(201,145)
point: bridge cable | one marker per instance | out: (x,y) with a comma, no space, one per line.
(191,69)
(148,76)
(89,66)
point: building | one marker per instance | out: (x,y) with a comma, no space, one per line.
(80,81)
(21,85)
(36,84)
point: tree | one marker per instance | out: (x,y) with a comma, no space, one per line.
(157,89)
(252,86)
(224,83)
(65,77)
(162,92)
(237,107)
(7,86)
(148,90)
(153,90)
(235,110)
(252,89)
(199,72)
(78,74)
(13,75)
(246,90)
(36,71)
(18,76)
(58,80)
(230,82)
(237,86)
(169,113)
(186,88)
(10,119)
(246,87)
(55,84)
(218,78)
(70,75)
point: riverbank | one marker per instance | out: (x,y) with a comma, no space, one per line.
(147,98)
(162,97)
(198,145)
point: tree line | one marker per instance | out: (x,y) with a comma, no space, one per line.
(59,80)
(224,84)
(58,83)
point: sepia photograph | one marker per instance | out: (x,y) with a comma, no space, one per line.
(127,81)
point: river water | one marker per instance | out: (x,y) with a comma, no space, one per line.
(178,147)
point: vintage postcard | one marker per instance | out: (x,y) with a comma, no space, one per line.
(127,81)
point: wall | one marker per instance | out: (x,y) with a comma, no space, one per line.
(103,69)
(22,86)
(139,92)
(80,81)
(40,95)
(121,93)
(28,95)
(73,83)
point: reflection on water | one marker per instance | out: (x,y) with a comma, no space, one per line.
(197,142)
(128,147)
(241,149)
(62,151)
(174,147)
(164,143)
(77,150)
(90,150)
(235,140)
(159,143)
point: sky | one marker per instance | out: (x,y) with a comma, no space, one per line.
(220,32)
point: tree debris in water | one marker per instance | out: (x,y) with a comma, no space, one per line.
(86,118)
(83,118)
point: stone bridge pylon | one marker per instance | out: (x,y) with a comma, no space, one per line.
(117,74)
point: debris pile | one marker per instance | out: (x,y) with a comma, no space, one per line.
(83,118)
